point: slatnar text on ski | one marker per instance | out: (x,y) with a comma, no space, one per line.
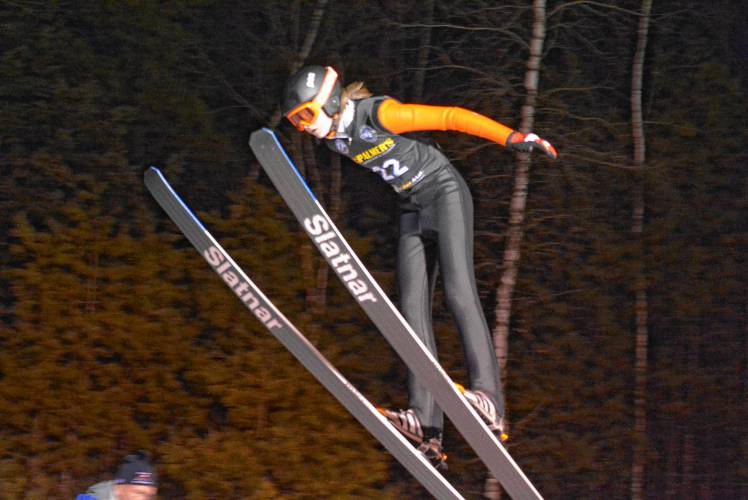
(330,244)
(241,288)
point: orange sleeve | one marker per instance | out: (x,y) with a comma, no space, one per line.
(399,118)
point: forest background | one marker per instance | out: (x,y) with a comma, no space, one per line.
(115,334)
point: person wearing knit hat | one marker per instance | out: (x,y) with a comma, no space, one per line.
(136,479)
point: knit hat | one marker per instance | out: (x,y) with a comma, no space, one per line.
(137,469)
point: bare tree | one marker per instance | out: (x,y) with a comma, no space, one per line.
(641,307)
(518,203)
(334,203)
(306,48)
(301,148)
(744,444)
(423,51)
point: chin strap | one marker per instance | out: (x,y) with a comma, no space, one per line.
(334,126)
(342,119)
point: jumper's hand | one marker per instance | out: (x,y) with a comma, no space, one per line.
(517,141)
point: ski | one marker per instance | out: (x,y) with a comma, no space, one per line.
(282,328)
(383,313)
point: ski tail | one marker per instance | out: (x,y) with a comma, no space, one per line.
(282,328)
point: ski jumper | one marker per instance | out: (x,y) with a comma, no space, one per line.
(436,211)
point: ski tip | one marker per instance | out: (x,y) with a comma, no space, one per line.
(261,131)
(256,137)
(151,172)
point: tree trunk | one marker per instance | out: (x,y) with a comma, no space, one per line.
(333,203)
(518,202)
(640,363)
(641,306)
(306,47)
(743,488)
(306,251)
(517,207)
(671,467)
(689,453)
(424,47)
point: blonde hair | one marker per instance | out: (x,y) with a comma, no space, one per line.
(355,90)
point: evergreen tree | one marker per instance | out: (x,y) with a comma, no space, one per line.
(84,368)
(300,439)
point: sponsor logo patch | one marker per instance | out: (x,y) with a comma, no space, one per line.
(334,248)
(310,77)
(342,146)
(233,277)
(145,478)
(375,151)
(368,134)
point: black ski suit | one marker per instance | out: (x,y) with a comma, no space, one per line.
(436,209)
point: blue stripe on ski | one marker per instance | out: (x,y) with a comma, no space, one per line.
(176,197)
(296,170)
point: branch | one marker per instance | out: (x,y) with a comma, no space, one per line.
(306,48)
(508,33)
(577,3)
(311,35)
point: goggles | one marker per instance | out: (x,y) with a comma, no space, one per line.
(306,114)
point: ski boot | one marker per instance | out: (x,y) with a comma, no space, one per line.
(432,450)
(486,408)
(429,443)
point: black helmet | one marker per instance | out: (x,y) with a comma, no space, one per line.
(305,84)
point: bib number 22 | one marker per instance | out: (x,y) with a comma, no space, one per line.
(390,170)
